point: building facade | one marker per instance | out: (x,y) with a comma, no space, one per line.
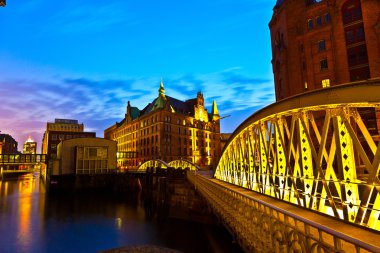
(59,130)
(168,129)
(85,156)
(8,145)
(30,146)
(319,43)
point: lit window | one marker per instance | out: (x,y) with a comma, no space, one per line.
(321,45)
(305,85)
(323,64)
(326,83)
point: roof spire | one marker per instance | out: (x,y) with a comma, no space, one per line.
(161,90)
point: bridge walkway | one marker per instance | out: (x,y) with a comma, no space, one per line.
(263,224)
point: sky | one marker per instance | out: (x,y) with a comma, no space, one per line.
(86,59)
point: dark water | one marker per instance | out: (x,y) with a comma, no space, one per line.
(33,221)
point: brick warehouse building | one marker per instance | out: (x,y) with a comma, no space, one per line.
(168,129)
(318,43)
(321,43)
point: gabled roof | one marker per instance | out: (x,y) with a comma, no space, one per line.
(178,106)
(135,112)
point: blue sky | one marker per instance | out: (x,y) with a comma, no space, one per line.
(85,59)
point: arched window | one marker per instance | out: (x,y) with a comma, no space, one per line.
(321,45)
(310,24)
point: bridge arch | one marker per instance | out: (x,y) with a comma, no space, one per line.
(154,163)
(182,163)
(314,150)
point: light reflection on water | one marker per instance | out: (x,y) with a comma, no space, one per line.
(33,221)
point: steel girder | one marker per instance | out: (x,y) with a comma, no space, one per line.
(314,150)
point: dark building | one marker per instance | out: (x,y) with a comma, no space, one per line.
(168,129)
(59,130)
(8,145)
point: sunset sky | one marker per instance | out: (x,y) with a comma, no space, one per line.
(85,59)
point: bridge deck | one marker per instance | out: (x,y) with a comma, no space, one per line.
(318,225)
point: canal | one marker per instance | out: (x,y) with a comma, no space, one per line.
(31,220)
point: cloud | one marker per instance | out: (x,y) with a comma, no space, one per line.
(28,104)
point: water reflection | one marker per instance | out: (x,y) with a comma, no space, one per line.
(19,204)
(33,221)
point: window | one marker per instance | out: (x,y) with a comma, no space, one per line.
(321,45)
(351,11)
(327,18)
(319,21)
(326,83)
(360,33)
(92,152)
(310,24)
(323,64)
(357,55)
(350,36)
(54,137)
(305,85)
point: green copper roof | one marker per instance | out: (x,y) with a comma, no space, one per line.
(161,100)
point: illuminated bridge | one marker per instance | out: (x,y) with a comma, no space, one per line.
(20,163)
(302,175)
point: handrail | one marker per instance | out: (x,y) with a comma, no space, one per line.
(243,201)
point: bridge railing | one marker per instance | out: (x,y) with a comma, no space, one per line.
(22,158)
(155,163)
(184,164)
(262,224)
(319,150)
(177,164)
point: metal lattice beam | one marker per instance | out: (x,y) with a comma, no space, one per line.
(313,150)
